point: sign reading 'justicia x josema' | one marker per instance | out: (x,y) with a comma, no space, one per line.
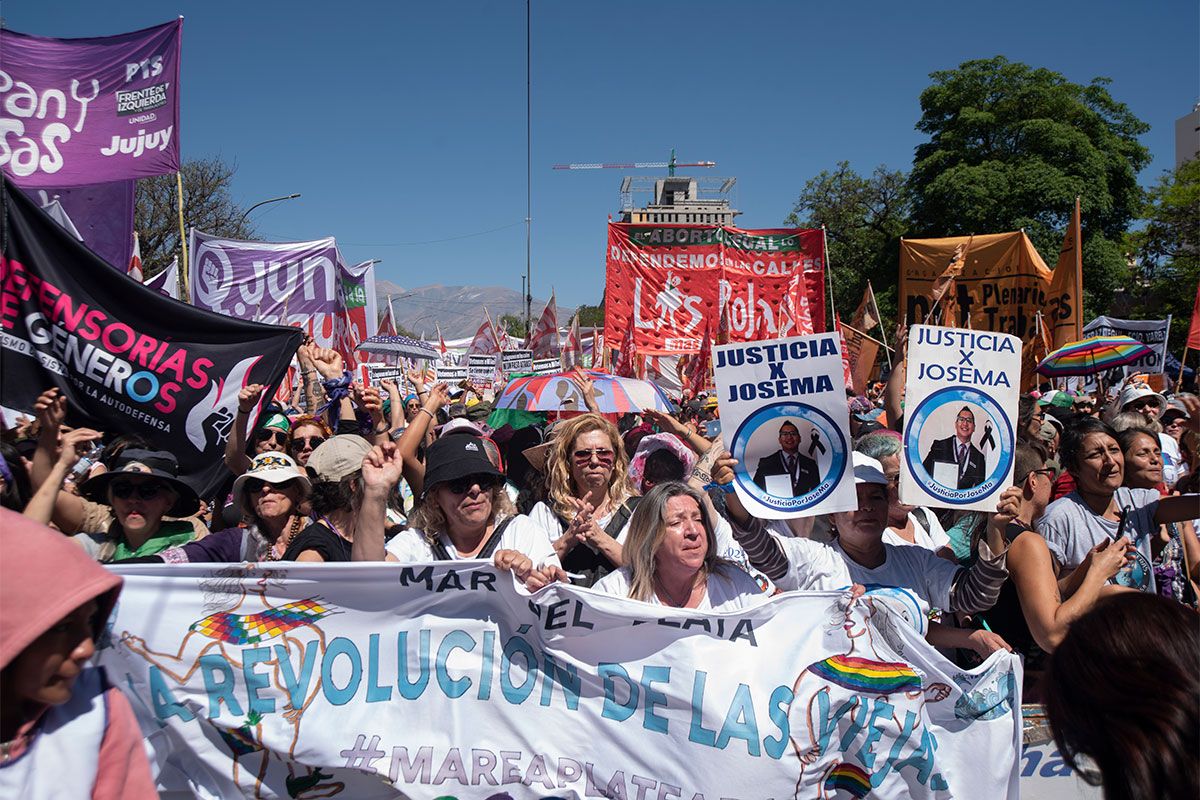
(83,111)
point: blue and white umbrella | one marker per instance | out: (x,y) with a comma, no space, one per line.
(403,346)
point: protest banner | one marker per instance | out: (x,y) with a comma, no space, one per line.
(481,368)
(378,371)
(783,412)
(102,214)
(1150,332)
(302,284)
(84,111)
(516,361)
(1002,286)
(662,282)
(547,366)
(447,680)
(127,358)
(452,374)
(960,404)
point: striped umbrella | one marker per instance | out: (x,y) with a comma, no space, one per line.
(1092,355)
(614,395)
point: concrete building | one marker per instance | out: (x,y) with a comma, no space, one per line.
(1187,136)
(679,200)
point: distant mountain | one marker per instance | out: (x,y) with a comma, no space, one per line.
(457,309)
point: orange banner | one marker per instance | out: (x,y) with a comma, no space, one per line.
(1066,284)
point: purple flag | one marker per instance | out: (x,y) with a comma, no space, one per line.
(166,282)
(83,111)
(102,214)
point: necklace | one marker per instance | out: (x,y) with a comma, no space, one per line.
(671,598)
(276,551)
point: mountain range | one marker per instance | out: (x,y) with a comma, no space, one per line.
(457,310)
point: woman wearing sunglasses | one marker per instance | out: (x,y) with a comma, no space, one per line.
(590,499)
(142,487)
(307,434)
(271,436)
(464,511)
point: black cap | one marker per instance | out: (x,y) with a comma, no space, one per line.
(454,457)
(150,463)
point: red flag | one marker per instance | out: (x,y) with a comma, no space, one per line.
(624,365)
(544,339)
(387,325)
(723,328)
(845,353)
(135,261)
(799,322)
(572,352)
(701,366)
(1193,337)
(485,341)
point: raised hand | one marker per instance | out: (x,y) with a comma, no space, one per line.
(50,409)
(382,467)
(327,362)
(249,396)
(72,445)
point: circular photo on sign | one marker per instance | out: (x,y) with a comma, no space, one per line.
(790,456)
(959,445)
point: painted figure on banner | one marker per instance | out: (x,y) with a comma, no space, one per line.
(788,472)
(955,461)
(867,691)
(217,642)
(672,300)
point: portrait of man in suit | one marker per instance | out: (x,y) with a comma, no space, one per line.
(790,462)
(959,452)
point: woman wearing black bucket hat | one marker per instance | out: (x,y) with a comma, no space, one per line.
(142,487)
(464,511)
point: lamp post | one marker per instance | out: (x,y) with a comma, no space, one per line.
(264,202)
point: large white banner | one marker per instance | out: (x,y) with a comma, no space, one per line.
(448,681)
(960,412)
(1150,332)
(784,415)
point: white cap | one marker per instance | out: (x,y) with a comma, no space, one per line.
(868,470)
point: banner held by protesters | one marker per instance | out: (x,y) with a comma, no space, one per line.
(784,415)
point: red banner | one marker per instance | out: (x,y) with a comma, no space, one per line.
(664,283)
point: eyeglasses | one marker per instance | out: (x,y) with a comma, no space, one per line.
(972,419)
(267,434)
(1049,472)
(463,485)
(602,454)
(792,434)
(1177,422)
(311,442)
(1038,417)
(255,485)
(146,491)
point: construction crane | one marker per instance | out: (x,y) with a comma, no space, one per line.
(670,165)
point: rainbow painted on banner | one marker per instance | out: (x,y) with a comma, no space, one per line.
(865,675)
(243,629)
(849,778)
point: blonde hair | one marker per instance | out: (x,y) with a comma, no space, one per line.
(647,529)
(428,517)
(558,464)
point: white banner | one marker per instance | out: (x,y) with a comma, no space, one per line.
(783,412)
(1150,332)
(452,375)
(514,361)
(481,368)
(547,366)
(449,681)
(960,412)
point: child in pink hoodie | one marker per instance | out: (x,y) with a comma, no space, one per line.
(64,731)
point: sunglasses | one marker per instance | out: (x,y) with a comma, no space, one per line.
(463,485)
(255,485)
(602,454)
(311,442)
(1049,472)
(271,435)
(146,491)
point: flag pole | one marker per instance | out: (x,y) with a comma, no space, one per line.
(183,275)
(1182,361)
(887,351)
(828,272)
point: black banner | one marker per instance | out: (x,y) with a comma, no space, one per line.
(128,359)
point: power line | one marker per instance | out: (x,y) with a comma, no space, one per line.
(411,244)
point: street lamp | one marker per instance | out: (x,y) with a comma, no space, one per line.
(264,202)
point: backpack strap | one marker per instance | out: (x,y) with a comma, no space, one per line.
(440,553)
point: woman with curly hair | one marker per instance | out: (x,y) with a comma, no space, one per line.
(307,434)
(590,499)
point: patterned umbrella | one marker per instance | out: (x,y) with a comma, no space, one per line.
(1092,355)
(558,393)
(399,346)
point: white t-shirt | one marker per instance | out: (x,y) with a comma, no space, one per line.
(933,539)
(1173,466)
(544,518)
(727,590)
(520,534)
(812,566)
(914,568)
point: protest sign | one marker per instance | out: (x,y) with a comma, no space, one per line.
(82,111)
(102,214)
(1150,332)
(127,358)
(378,371)
(784,414)
(960,404)
(452,374)
(481,368)
(547,366)
(514,361)
(662,282)
(447,680)
(302,284)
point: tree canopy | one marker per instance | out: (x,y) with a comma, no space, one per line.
(1011,146)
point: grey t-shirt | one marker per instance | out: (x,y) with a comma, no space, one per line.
(1071,529)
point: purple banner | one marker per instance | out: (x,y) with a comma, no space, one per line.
(83,111)
(102,215)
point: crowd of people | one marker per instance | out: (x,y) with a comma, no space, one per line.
(1102,510)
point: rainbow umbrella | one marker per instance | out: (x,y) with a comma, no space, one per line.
(557,392)
(1092,355)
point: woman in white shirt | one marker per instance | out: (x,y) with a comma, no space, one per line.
(671,557)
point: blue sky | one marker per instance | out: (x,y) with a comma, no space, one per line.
(403,124)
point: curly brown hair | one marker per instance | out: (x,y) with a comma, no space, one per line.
(558,464)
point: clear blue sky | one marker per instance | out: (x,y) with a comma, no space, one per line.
(402,123)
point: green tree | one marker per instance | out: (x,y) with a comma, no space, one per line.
(589,316)
(1168,249)
(514,324)
(207,205)
(864,218)
(1011,146)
